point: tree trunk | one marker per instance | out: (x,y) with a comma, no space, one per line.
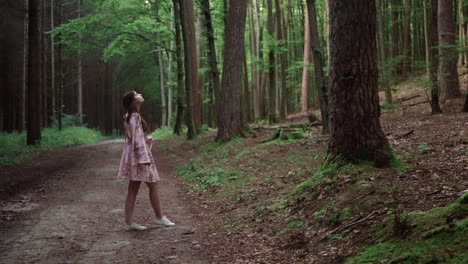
(318,65)
(448,56)
(60,75)
(282,61)
(432,53)
(161,84)
(406,39)
(34,73)
(80,79)
(22,115)
(180,70)
(383,52)
(190,61)
(394,39)
(272,117)
(229,115)
(306,71)
(169,78)
(205,6)
(355,128)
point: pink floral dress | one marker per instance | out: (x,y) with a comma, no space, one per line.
(137,163)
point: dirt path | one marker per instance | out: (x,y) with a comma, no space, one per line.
(74,214)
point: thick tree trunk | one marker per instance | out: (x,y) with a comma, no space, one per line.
(60,75)
(355,128)
(34,73)
(180,70)
(448,56)
(22,114)
(190,61)
(432,52)
(317,57)
(229,115)
(305,70)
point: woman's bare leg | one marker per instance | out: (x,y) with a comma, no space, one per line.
(133,187)
(154,198)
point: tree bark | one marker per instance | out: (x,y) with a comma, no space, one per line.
(190,61)
(34,73)
(272,116)
(383,52)
(305,70)
(163,93)
(406,39)
(282,60)
(205,6)
(432,53)
(180,70)
(229,115)
(394,39)
(448,57)
(317,57)
(355,129)
(80,79)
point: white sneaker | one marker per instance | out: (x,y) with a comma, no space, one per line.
(164,221)
(134,227)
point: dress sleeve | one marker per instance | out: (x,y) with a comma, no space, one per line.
(138,141)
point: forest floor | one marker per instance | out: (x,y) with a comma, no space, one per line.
(240,202)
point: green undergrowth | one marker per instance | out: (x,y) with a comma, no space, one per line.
(13,148)
(201,176)
(438,235)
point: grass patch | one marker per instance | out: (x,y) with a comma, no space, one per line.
(388,106)
(13,148)
(162,133)
(201,177)
(438,236)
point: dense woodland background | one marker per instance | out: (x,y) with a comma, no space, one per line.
(83,54)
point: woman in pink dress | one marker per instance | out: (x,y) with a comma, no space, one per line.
(137,163)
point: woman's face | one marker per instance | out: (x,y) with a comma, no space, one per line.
(138,98)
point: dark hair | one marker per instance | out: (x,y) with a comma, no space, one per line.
(127,100)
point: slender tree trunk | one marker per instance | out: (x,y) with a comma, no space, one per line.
(406,39)
(169,78)
(383,52)
(282,61)
(60,75)
(22,116)
(355,128)
(80,78)
(52,60)
(432,53)
(161,84)
(229,116)
(180,70)
(190,61)
(448,57)
(318,65)
(394,38)
(306,71)
(34,73)
(253,58)
(205,5)
(272,117)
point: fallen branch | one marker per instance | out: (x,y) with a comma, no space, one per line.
(336,230)
(404,99)
(405,134)
(423,102)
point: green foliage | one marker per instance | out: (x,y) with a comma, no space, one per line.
(163,133)
(438,236)
(13,148)
(388,106)
(201,177)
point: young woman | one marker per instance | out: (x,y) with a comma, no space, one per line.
(137,163)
